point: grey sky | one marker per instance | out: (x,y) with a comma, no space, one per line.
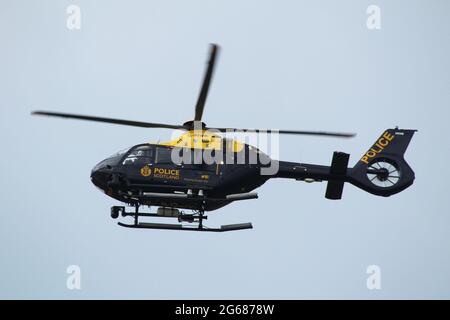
(309,65)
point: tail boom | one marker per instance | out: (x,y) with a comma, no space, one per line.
(382,170)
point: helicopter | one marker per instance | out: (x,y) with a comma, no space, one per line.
(175,177)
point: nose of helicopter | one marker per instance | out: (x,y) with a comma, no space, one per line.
(100,175)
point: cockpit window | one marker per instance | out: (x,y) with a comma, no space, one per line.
(120,153)
(140,155)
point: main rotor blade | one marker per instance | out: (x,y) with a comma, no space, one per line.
(109,120)
(206,83)
(311,133)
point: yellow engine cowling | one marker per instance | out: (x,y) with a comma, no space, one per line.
(202,139)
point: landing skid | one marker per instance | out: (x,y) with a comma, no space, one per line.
(189,218)
(180,227)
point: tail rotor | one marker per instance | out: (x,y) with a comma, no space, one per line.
(382,170)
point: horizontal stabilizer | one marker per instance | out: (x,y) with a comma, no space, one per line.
(334,190)
(338,168)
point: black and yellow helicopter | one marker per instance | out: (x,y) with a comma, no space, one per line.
(149,175)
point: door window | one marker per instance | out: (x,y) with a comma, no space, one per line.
(163,155)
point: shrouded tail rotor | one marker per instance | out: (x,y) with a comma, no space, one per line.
(384,173)
(382,170)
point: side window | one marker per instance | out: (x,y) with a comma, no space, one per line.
(163,155)
(140,155)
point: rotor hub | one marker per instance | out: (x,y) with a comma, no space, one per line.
(193,124)
(383,174)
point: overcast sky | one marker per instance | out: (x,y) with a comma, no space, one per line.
(306,65)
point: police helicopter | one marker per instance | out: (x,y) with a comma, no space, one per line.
(175,177)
